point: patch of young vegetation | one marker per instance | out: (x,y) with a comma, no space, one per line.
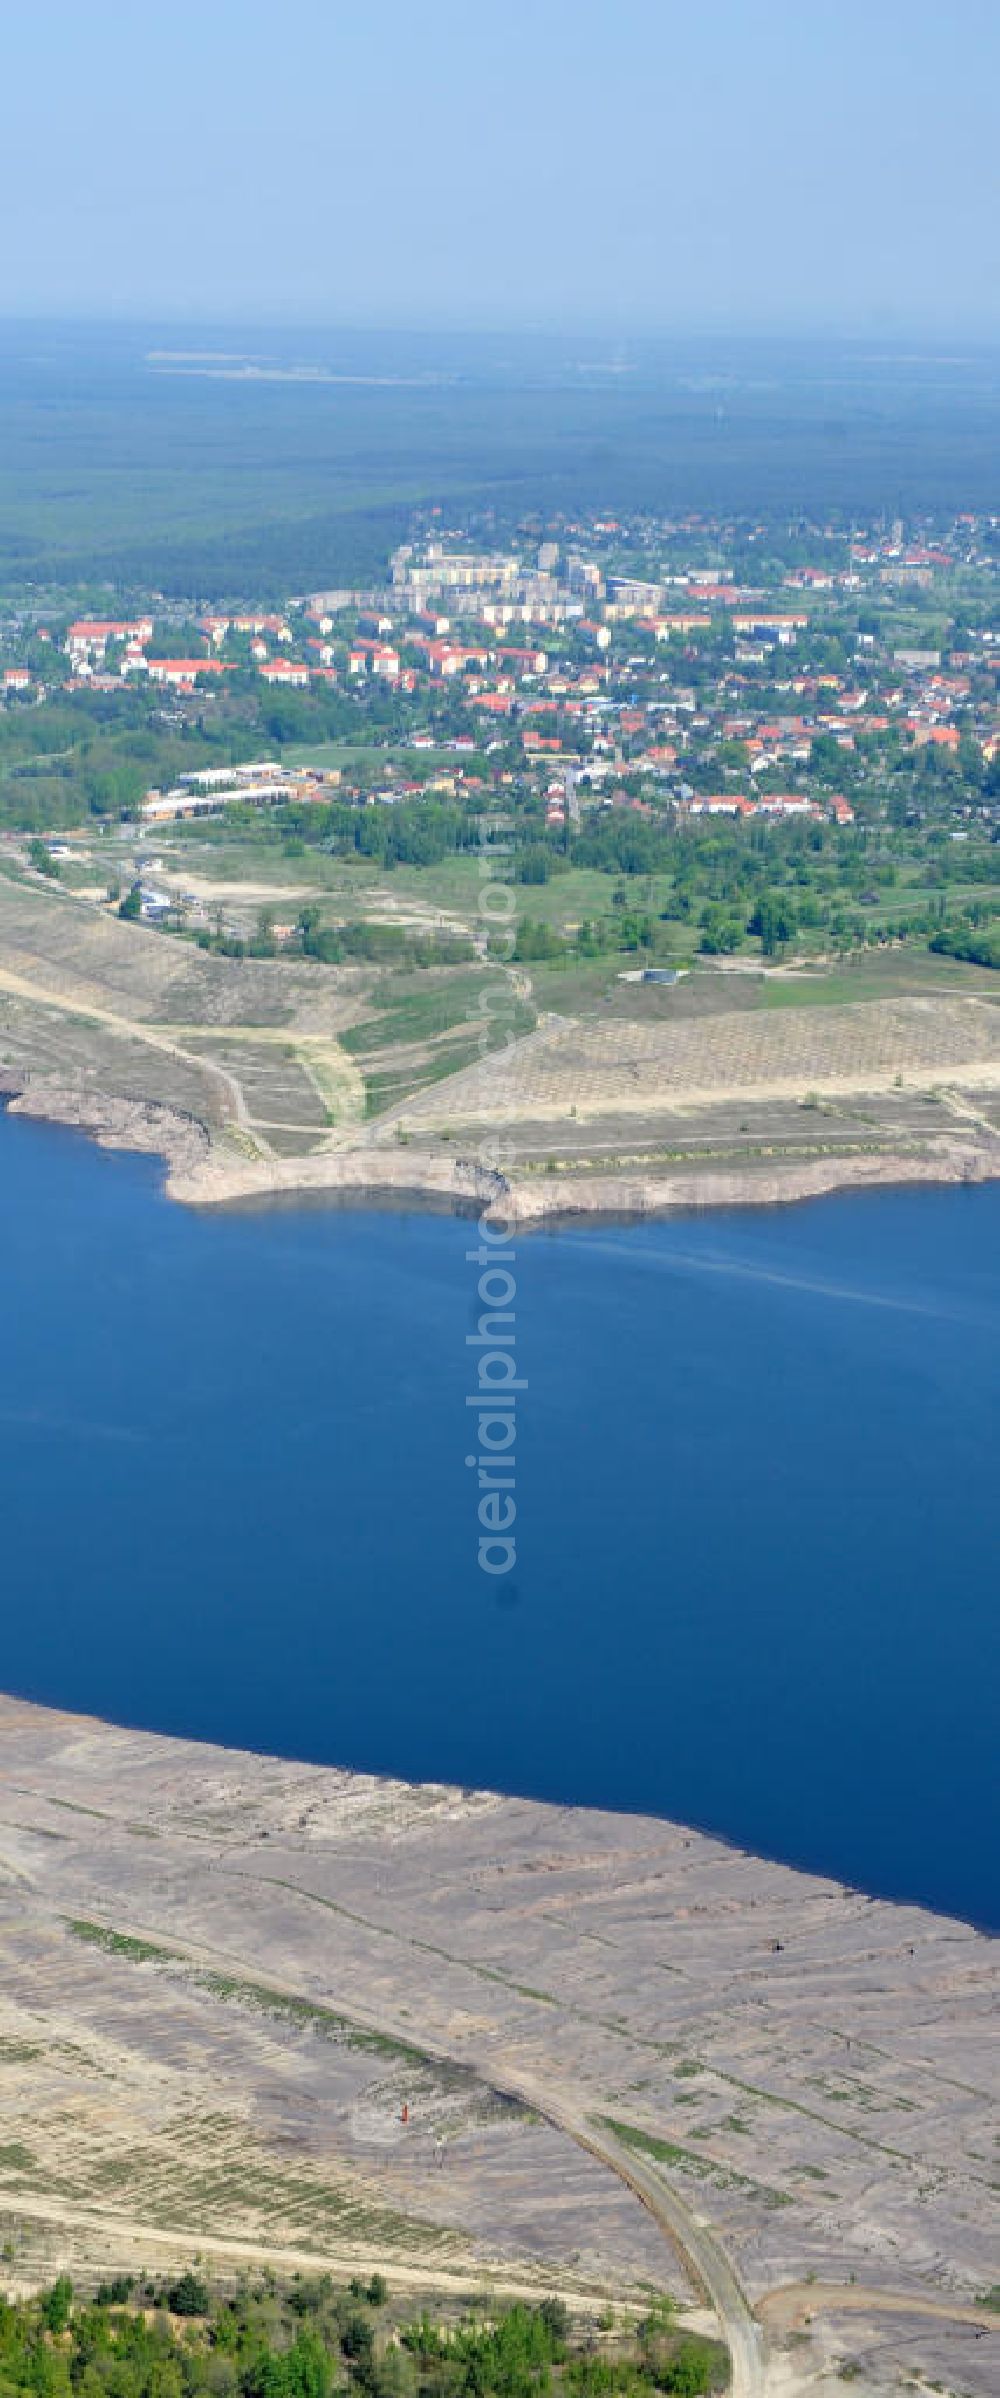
(120,1944)
(15,2158)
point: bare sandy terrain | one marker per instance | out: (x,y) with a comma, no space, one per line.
(630,2055)
(585,1070)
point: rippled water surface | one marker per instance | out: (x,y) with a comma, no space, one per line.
(755,1473)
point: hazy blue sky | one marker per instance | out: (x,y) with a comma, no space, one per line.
(577,163)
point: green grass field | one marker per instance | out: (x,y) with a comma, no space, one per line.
(889,974)
(354,754)
(426,1026)
(410,1010)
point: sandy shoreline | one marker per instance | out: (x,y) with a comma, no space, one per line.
(197,1175)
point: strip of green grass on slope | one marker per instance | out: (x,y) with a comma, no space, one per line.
(122,1944)
(389,1087)
(396,1084)
(410,1011)
(257,1995)
(685,2160)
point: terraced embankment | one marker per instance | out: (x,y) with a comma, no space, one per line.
(253,1077)
(627,2054)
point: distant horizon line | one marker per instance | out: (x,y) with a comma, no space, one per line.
(937,341)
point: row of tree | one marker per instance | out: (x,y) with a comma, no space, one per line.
(177,2339)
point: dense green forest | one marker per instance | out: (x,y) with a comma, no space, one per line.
(179,2339)
(114,464)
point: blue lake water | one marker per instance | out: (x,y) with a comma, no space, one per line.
(756,1586)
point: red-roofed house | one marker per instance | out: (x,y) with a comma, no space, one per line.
(89,637)
(182,673)
(287,672)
